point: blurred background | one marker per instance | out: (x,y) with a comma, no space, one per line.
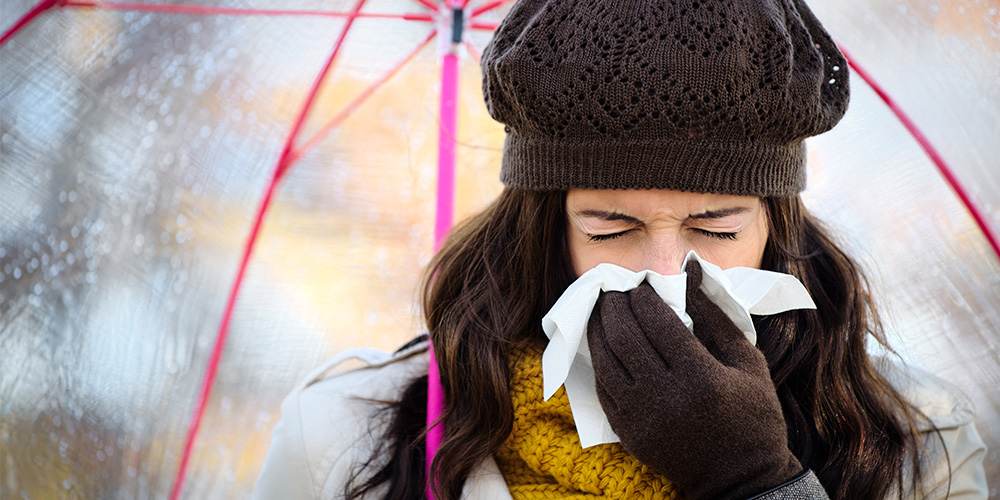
(135,148)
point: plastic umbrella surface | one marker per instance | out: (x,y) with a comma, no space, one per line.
(137,143)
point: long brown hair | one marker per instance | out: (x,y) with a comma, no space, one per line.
(845,421)
(498,274)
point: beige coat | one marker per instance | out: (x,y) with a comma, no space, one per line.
(327,429)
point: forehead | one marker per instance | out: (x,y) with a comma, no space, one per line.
(653,200)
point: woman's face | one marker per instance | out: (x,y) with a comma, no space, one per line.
(655,228)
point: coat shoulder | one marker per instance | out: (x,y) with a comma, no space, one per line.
(943,403)
(333,421)
(952,450)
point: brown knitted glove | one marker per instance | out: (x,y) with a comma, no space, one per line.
(701,411)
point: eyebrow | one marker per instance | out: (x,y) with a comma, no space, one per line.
(710,214)
(603,214)
(720,213)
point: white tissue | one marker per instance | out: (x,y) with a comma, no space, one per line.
(738,291)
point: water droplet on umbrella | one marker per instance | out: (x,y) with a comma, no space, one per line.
(125,55)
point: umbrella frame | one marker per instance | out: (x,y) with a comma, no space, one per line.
(449,14)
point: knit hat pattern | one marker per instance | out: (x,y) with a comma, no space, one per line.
(694,95)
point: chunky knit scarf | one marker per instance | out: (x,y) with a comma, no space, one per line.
(542,457)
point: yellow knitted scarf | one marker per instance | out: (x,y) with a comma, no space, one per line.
(542,457)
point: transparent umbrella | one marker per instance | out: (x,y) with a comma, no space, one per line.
(147,134)
(137,142)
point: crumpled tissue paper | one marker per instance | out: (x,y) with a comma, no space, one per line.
(738,291)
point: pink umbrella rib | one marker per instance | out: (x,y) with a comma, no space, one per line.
(487,7)
(473,51)
(287,153)
(476,25)
(232,11)
(946,171)
(344,113)
(430,5)
(220,339)
(26,19)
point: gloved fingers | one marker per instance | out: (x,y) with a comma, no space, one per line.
(665,331)
(608,368)
(694,275)
(721,337)
(624,336)
(608,403)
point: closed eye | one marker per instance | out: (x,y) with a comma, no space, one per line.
(720,235)
(610,236)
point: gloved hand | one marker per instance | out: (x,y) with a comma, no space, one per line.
(699,409)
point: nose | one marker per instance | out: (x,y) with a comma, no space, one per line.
(665,256)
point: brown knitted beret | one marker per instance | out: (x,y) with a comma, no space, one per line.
(694,95)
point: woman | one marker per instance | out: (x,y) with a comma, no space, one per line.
(638,131)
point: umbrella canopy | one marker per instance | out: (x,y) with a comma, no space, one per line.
(136,147)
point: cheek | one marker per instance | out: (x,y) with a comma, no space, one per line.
(760,241)
(746,251)
(584,257)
